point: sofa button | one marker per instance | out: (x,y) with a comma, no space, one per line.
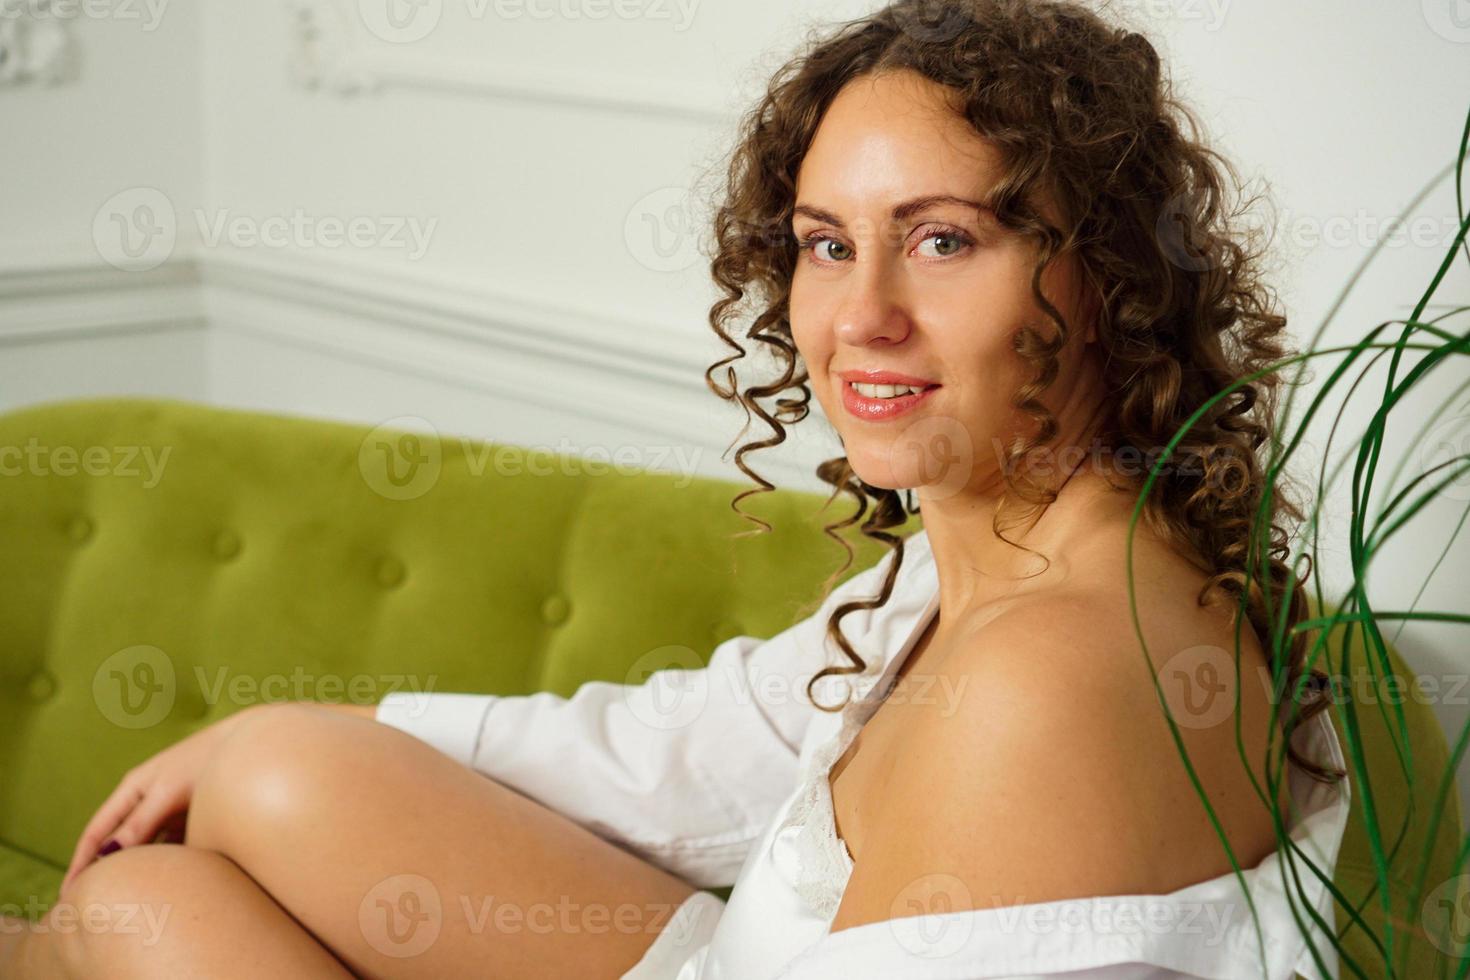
(555,610)
(390,572)
(226,545)
(79,529)
(41,687)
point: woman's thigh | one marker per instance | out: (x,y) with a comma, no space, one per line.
(407,864)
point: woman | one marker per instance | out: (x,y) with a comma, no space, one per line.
(983,236)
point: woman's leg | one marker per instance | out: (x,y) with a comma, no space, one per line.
(406,864)
(163,911)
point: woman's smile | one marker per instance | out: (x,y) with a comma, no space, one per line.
(881,402)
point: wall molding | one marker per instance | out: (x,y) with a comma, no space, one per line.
(78,298)
(433,327)
(327,53)
(651,381)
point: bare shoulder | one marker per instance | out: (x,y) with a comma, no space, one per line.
(1053,773)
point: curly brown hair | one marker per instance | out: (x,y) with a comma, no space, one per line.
(1080,110)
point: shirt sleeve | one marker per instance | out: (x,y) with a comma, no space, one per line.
(685,769)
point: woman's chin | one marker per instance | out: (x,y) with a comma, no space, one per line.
(883,474)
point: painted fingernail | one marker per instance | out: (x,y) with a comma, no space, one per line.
(107,848)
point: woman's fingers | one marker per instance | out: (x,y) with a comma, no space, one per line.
(104,822)
(148,817)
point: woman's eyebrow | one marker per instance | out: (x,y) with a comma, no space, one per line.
(901,212)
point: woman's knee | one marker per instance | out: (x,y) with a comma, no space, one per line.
(130,902)
(270,772)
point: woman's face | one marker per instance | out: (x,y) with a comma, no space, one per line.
(897,274)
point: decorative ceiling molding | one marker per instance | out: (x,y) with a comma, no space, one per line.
(328,54)
(36,45)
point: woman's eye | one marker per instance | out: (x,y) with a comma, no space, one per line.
(953,243)
(816,243)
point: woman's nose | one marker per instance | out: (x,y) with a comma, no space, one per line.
(871,312)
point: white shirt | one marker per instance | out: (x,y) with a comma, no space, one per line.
(718,775)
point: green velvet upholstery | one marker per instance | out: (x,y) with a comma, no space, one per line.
(271,557)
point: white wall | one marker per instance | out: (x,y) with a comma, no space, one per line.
(557,297)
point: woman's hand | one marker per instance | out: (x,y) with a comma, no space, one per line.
(153,797)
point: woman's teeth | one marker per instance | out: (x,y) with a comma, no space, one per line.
(884,391)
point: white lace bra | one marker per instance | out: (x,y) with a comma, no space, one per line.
(819,860)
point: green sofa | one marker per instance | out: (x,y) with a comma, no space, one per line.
(170,562)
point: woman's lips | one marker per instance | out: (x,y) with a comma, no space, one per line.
(880,409)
